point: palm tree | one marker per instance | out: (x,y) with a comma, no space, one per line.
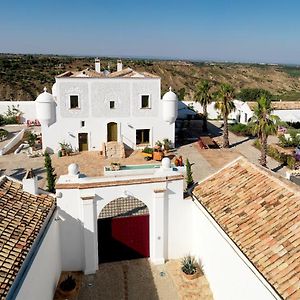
(263,124)
(225,105)
(204,97)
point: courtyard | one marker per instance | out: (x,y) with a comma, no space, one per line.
(205,161)
(139,279)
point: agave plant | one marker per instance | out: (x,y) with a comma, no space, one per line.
(189,265)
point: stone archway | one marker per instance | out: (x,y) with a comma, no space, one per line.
(123,230)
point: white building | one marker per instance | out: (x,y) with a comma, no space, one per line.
(186,108)
(287,111)
(90,108)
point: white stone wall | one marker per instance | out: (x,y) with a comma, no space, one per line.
(27,107)
(169,220)
(229,276)
(94,97)
(43,275)
(211,111)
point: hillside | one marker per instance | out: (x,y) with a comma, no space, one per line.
(22,77)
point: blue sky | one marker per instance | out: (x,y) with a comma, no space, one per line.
(240,30)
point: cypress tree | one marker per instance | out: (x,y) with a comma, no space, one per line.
(189,174)
(51,176)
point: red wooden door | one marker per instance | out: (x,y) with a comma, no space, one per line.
(123,238)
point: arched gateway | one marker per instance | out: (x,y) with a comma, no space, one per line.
(123,230)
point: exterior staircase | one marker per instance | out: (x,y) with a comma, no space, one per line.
(114,150)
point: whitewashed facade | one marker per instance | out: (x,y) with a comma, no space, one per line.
(89,108)
(80,207)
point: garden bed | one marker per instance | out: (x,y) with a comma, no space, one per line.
(282,155)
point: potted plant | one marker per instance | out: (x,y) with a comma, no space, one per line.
(157,154)
(66,148)
(190,268)
(159,144)
(147,153)
(167,145)
(68,286)
(115,166)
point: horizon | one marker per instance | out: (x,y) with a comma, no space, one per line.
(156,59)
(227,30)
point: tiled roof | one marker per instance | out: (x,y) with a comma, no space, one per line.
(261,214)
(279,105)
(22,215)
(89,73)
(125,73)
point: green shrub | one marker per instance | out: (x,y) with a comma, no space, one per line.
(281,157)
(148,150)
(291,162)
(240,129)
(3,133)
(293,141)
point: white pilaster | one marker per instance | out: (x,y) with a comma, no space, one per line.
(158,235)
(90,235)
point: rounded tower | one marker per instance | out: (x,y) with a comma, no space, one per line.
(170,106)
(44,105)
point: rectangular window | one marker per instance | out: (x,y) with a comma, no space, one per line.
(74,101)
(246,118)
(145,101)
(142,136)
(82,123)
(111,104)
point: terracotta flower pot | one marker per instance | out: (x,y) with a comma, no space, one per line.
(192,276)
(67,294)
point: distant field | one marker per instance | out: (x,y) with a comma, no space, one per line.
(290,96)
(292,71)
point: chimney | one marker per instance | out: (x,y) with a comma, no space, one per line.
(97,65)
(119,65)
(30,183)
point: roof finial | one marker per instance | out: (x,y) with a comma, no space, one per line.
(45,89)
(170,89)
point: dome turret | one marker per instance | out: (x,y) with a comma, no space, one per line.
(44,107)
(170,106)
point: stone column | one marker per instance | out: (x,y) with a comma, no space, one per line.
(159,234)
(90,235)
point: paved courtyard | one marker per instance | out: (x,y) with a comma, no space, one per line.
(139,279)
(205,161)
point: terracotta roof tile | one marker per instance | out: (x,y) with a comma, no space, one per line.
(279,105)
(22,215)
(261,214)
